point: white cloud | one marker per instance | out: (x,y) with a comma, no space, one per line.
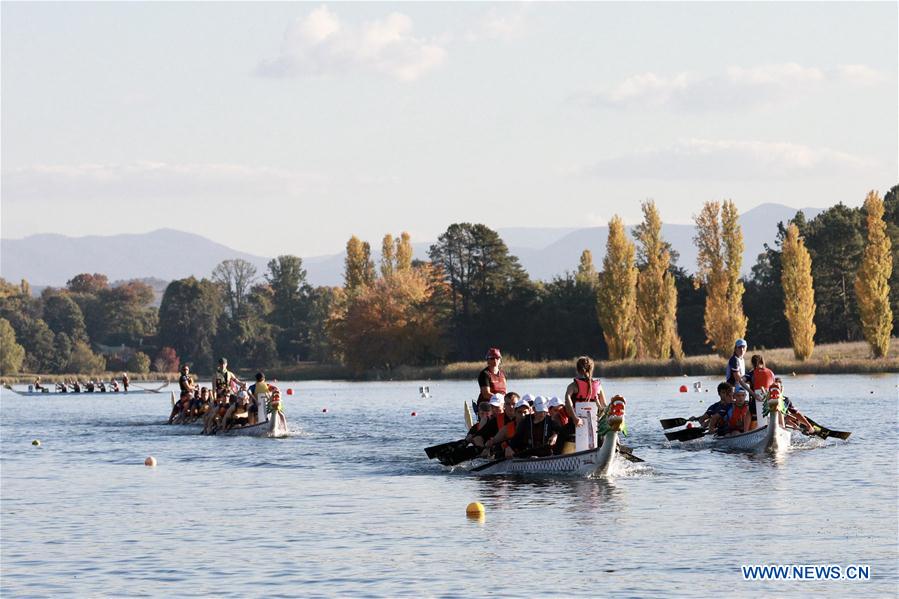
(153,180)
(704,159)
(320,44)
(736,87)
(506,25)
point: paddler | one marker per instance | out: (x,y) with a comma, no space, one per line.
(492,379)
(565,439)
(224,377)
(716,414)
(584,401)
(536,433)
(738,419)
(260,387)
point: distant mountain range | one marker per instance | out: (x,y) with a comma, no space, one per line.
(51,260)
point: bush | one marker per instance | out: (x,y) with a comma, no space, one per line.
(84,361)
(166,360)
(139,362)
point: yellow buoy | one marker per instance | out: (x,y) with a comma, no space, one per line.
(36,443)
(150,461)
(475,509)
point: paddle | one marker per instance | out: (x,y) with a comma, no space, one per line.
(687,434)
(674,422)
(628,454)
(824,432)
(436,450)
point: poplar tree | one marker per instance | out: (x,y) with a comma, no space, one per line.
(656,302)
(387,256)
(799,293)
(720,245)
(616,294)
(359,270)
(872,287)
(586,272)
(403,252)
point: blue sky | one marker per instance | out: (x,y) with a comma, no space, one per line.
(287,127)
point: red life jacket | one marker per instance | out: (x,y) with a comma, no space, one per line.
(736,417)
(586,391)
(762,378)
(497,382)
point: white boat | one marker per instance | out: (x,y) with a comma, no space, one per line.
(772,437)
(591,462)
(133,390)
(268,425)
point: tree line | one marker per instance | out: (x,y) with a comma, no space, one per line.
(826,279)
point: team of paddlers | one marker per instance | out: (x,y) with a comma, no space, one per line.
(227,404)
(90,386)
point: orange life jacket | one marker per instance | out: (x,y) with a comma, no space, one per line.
(737,413)
(587,390)
(762,378)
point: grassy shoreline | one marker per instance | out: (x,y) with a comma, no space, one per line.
(836,358)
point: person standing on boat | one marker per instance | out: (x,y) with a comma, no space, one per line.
(224,377)
(736,366)
(125,382)
(492,380)
(584,401)
(260,387)
(760,379)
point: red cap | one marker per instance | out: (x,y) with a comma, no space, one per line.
(493,352)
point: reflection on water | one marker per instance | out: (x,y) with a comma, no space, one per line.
(349,504)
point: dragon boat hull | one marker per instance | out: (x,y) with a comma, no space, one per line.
(592,462)
(772,437)
(275,426)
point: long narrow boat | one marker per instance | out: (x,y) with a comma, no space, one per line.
(591,462)
(133,390)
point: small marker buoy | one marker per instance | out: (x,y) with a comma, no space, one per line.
(475,509)
(150,461)
(324,410)
(36,443)
(683,388)
(689,425)
(290,391)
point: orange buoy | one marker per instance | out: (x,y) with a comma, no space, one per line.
(150,461)
(683,388)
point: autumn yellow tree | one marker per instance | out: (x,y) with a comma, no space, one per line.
(586,272)
(799,293)
(616,293)
(391,322)
(720,256)
(872,280)
(403,252)
(388,259)
(359,269)
(656,300)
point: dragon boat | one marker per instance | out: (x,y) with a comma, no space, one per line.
(772,437)
(590,462)
(133,390)
(269,424)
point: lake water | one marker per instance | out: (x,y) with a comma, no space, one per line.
(349,505)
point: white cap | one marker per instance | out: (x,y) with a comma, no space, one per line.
(522,404)
(497,400)
(528,398)
(554,402)
(540,404)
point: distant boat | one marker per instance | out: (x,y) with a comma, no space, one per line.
(132,390)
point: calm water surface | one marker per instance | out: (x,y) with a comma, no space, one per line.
(349,505)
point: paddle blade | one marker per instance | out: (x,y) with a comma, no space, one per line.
(628,454)
(673,422)
(436,450)
(459,455)
(688,434)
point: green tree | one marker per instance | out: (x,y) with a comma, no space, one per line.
(872,280)
(235,278)
(656,301)
(799,293)
(38,341)
(290,306)
(488,289)
(616,293)
(63,315)
(12,355)
(90,284)
(189,319)
(139,362)
(62,353)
